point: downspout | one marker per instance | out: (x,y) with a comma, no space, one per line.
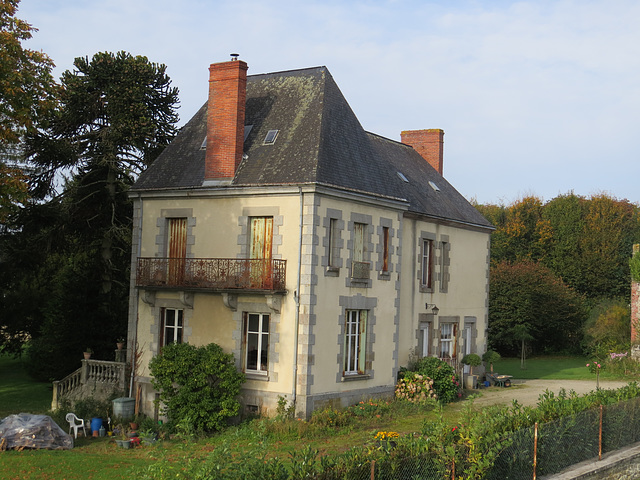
(296,296)
(132,350)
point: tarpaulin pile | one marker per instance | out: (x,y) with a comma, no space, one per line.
(25,430)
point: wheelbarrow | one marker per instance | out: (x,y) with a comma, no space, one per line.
(499,380)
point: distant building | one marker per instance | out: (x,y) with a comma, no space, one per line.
(312,250)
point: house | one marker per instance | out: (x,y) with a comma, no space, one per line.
(321,255)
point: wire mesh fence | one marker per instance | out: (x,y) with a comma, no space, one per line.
(542,449)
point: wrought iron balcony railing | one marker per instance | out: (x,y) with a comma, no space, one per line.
(212,273)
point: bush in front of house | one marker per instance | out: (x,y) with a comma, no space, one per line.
(198,386)
(445,381)
(416,388)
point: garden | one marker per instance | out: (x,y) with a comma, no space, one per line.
(428,420)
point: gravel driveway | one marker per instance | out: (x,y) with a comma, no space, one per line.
(528,391)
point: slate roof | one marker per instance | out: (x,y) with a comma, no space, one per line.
(320,140)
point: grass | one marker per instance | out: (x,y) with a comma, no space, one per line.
(101,459)
(552,368)
(19,391)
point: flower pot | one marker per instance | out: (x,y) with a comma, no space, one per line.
(87,355)
(124,443)
(120,345)
(472,382)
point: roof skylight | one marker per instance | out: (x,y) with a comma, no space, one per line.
(402,177)
(270,139)
(434,186)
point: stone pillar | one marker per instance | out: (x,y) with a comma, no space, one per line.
(635,312)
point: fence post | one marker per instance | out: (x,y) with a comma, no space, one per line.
(600,437)
(373,469)
(54,401)
(535,449)
(84,375)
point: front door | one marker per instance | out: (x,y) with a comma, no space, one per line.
(260,252)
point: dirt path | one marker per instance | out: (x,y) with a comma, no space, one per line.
(528,391)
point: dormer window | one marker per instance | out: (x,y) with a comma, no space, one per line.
(204,144)
(434,186)
(270,139)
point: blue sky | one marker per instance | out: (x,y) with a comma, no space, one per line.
(535,97)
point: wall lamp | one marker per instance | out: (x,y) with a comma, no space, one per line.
(434,308)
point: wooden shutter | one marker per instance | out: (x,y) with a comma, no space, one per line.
(177,249)
(260,249)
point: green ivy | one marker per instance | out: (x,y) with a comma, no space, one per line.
(634,264)
(198,386)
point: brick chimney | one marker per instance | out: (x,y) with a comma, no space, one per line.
(225,120)
(428,143)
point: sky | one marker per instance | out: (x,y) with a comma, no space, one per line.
(535,97)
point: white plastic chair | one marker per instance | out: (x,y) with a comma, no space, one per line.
(75,423)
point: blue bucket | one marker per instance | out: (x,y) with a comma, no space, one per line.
(96,423)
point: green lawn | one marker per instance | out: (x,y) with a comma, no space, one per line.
(553,368)
(19,392)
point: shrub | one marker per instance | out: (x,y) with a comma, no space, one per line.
(198,385)
(415,388)
(445,381)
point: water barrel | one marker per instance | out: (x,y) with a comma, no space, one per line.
(124,407)
(96,423)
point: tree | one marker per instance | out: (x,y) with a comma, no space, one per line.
(608,327)
(521,231)
(27,94)
(117,112)
(521,333)
(27,88)
(528,293)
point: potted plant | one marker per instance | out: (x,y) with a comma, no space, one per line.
(120,343)
(87,353)
(124,441)
(473,360)
(490,357)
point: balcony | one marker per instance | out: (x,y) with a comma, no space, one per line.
(218,274)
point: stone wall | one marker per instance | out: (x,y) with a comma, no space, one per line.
(622,464)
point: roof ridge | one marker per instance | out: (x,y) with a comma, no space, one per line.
(281,72)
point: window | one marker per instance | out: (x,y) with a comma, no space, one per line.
(334,245)
(427,247)
(256,342)
(359,268)
(385,249)
(447,340)
(424,340)
(270,138)
(355,342)
(444,265)
(172,326)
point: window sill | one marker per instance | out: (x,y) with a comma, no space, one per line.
(354,378)
(332,271)
(257,376)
